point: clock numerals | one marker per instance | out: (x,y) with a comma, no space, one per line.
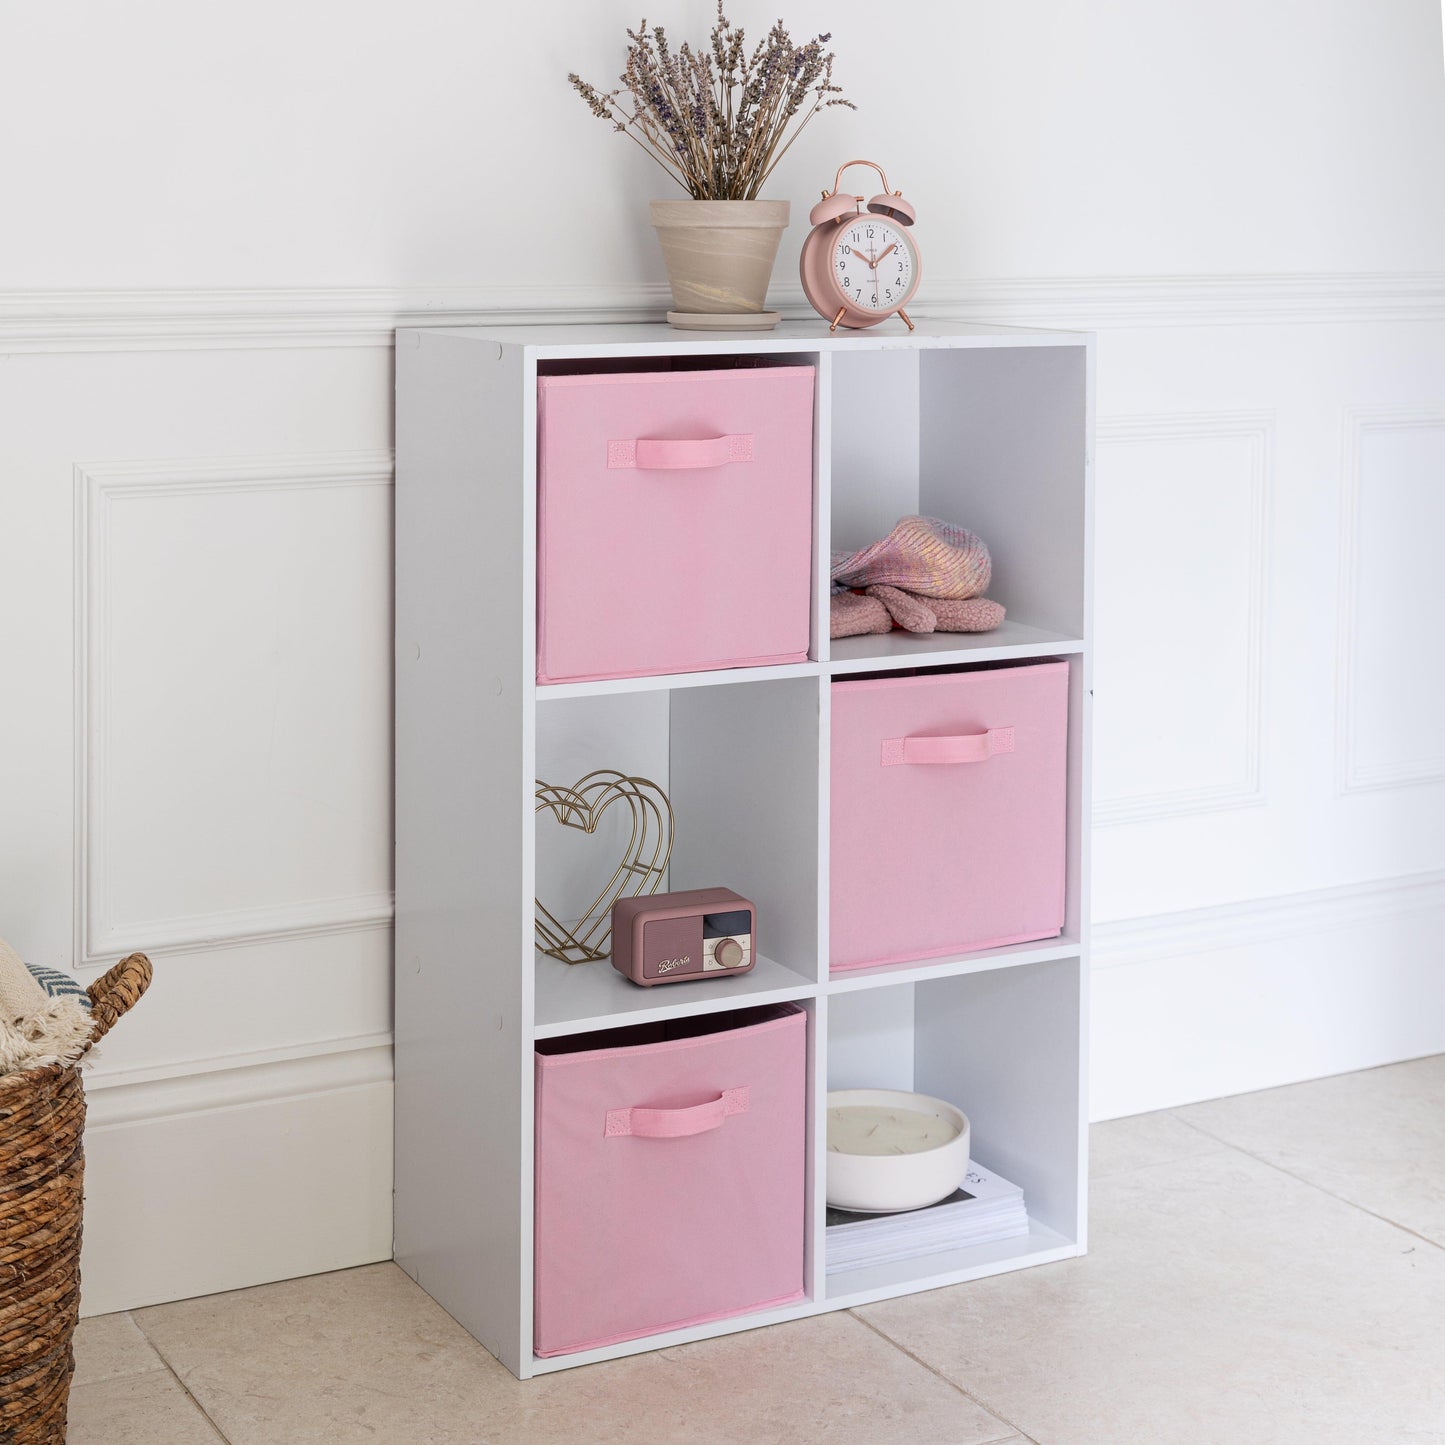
(868,279)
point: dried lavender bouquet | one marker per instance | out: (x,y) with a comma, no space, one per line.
(717,119)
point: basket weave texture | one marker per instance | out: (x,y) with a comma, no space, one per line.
(42,1167)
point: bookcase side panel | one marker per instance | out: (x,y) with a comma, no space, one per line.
(464,708)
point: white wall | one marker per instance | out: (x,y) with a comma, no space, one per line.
(213,221)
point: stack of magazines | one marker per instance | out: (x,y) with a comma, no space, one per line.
(986,1209)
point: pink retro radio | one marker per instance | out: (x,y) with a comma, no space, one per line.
(669,937)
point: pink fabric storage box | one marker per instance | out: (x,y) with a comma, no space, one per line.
(669,1183)
(674,521)
(948,811)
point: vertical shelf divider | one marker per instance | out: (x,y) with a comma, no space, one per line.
(814,1226)
(816,1230)
(822,501)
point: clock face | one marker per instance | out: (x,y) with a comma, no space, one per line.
(874,264)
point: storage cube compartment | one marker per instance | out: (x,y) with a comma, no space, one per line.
(991,439)
(1004,1046)
(948,806)
(674,520)
(740,767)
(670,1175)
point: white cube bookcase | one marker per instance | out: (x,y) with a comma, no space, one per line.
(987,426)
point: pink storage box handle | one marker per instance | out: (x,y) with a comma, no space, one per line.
(969,748)
(675,1123)
(680,455)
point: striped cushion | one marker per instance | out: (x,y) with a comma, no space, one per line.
(57,984)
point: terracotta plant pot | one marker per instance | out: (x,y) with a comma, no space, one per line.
(719,257)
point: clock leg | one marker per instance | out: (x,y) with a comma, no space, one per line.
(839,317)
(906,321)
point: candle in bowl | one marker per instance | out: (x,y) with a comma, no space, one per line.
(878,1129)
(889,1150)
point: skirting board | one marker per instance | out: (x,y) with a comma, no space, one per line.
(193,1201)
(1223,1001)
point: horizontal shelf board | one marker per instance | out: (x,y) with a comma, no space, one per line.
(1041,1245)
(879,652)
(983,961)
(651,338)
(733,1325)
(609,686)
(583,997)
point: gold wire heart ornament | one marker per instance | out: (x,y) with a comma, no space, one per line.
(644,860)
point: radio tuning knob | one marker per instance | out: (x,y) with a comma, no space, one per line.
(728,952)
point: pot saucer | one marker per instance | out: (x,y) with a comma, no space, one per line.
(724,320)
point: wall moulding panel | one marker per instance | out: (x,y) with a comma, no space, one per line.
(141,319)
(230,646)
(1154,512)
(1389,710)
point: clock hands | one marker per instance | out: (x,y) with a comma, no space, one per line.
(874,261)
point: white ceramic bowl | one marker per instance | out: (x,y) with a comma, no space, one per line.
(884,1183)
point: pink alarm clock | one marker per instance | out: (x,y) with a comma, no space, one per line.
(860,267)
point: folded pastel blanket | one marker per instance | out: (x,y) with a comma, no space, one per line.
(44,1015)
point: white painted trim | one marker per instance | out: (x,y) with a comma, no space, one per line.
(229,1081)
(1351,775)
(137,319)
(1256,921)
(1102,302)
(98,937)
(1256,427)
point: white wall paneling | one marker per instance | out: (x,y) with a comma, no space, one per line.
(232,747)
(1268,708)
(1248,415)
(1183,521)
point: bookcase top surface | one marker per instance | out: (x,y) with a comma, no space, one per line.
(655,338)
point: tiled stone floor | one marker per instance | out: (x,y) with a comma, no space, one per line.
(1268,1268)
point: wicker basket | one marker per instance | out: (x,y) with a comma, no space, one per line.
(42,1117)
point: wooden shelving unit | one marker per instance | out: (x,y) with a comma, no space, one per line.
(987,426)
